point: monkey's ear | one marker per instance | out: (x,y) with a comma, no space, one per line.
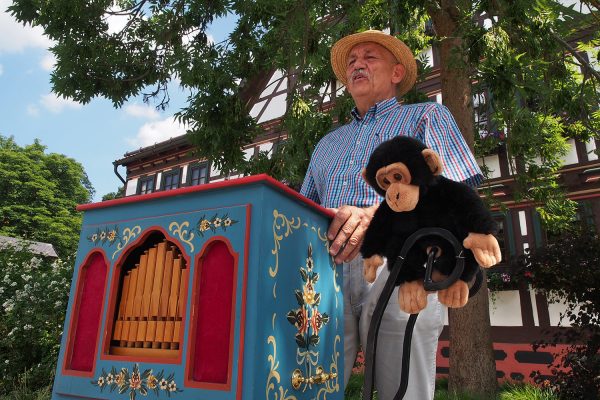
(434,161)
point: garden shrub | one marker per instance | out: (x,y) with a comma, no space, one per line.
(567,269)
(33,299)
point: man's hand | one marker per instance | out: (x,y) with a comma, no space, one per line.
(347,231)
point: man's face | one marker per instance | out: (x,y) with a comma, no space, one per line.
(372,73)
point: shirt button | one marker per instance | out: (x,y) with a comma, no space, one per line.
(351,162)
(358,142)
(344,183)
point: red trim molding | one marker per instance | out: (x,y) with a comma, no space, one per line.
(263,178)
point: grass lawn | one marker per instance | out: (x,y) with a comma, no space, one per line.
(506,392)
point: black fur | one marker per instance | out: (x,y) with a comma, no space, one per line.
(443,203)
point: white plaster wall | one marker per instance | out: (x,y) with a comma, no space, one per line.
(131,187)
(590,147)
(265,146)
(493,164)
(429,54)
(505,308)
(571,157)
(184,174)
(275,109)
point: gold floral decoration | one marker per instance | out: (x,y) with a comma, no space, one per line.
(184,235)
(126,236)
(136,382)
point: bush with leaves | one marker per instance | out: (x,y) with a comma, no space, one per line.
(33,300)
(567,270)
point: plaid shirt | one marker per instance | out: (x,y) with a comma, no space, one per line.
(334,176)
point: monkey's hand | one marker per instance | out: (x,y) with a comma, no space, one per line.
(370,267)
(456,295)
(485,249)
(412,297)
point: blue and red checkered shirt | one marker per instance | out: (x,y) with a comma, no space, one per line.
(334,173)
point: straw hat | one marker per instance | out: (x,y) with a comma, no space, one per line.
(341,49)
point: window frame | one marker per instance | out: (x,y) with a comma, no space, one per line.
(168,174)
(142,180)
(198,165)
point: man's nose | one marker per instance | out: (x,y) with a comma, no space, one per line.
(359,63)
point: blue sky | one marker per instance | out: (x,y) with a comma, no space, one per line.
(94,134)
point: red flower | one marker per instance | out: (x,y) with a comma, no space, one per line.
(302,320)
(316,321)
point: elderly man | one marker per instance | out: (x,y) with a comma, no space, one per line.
(375,68)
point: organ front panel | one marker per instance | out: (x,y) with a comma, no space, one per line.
(225,291)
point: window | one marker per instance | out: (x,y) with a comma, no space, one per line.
(171,179)
(146,185)
(198,174)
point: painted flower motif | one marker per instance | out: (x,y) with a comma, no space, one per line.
(310,263)
(316,321)
(135,382)
(120,379)
(111,235)
(227,222)
(94,237)
(505,277)
(301,320)
(204,225)
(172,386)
(102,235)
(309,294)
(110,379)
(152,382)
(528,274)
(164,384)
(101,381)
(217,222)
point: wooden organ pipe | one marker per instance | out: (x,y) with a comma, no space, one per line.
(149,312)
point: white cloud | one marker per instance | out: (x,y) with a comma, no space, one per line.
(57,104)
(157,131)
(14,37)
(47,63)
(116,22)
(32,110)
(141,111)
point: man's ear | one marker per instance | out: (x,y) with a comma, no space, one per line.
(398,74)
(434,161)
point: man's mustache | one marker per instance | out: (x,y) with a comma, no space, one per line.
(359,72)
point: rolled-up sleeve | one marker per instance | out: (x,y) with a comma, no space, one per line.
(442,135)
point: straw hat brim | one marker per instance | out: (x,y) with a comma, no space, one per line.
(341,49)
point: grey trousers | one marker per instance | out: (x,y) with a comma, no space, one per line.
(360,299)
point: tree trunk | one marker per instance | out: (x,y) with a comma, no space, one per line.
(472,366)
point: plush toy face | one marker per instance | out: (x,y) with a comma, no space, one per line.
(398,168)
(395,179)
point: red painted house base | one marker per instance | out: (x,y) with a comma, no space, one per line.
(514,362)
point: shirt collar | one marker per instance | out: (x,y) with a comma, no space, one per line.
(379,109)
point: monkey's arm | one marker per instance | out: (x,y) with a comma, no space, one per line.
(380,228)
(374,241)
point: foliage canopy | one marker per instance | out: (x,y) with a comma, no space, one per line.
(39,194)
(515,50)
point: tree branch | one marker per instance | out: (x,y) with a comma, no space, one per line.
(573,51)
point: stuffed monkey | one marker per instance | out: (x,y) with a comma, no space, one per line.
(408,175)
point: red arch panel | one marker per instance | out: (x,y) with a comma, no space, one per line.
(213,305)
(87,310)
